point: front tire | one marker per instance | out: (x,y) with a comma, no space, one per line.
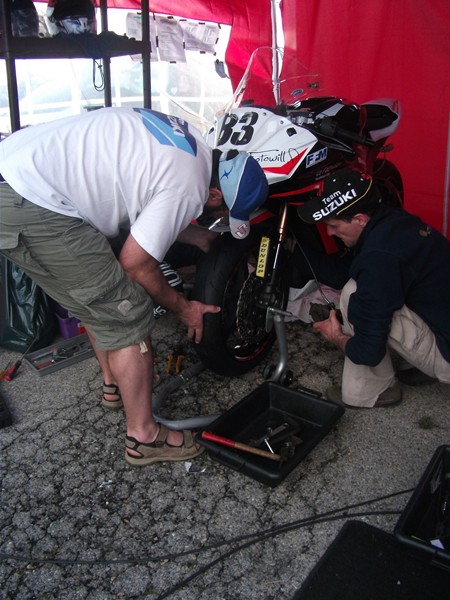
(235,340)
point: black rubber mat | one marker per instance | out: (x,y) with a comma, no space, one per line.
(366,563)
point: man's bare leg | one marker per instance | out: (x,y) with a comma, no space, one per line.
(108,378)
(132,368)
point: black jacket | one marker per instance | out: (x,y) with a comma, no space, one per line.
(399,260)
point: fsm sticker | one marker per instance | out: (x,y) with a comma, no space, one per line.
(316,157)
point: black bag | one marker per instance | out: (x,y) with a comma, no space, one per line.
(27,321)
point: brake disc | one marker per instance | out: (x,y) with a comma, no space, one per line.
(250,318)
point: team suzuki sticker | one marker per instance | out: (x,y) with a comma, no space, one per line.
(332,202)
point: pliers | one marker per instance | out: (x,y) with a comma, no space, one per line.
(174,361)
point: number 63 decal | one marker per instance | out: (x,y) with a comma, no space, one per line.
(237,132)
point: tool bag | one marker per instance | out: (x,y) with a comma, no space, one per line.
(26,314)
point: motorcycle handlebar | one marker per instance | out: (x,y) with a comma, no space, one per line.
(328,127)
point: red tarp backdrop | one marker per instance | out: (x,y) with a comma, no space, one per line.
(380,48)
(362,51)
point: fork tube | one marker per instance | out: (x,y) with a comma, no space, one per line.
(277,251)
(281,236)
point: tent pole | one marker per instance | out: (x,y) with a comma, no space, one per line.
(10,64)
(274,13)
(106,60)
(146,54)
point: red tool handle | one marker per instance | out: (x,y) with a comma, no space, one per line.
(11,372)
(239,446)
(219,440)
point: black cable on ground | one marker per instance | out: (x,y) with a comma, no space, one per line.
(229,553)
(251,537)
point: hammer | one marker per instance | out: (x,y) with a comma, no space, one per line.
(206,435)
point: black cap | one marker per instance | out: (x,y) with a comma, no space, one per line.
(341,191)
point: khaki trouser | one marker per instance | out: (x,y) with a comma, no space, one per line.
(409,336)
(75,265)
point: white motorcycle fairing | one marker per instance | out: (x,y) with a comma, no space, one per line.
(273,140)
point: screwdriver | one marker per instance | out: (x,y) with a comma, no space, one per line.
(10,372)
(3,372)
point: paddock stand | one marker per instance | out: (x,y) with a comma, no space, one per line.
(279,374)
(171,386)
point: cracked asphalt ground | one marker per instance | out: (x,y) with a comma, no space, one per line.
(77,522)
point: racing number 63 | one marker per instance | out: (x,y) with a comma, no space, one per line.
(237,133)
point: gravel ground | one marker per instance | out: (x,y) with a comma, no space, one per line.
(77,522)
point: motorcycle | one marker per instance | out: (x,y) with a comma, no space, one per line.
(299,135)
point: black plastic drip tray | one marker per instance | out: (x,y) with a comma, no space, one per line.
(424,525)
(303,419)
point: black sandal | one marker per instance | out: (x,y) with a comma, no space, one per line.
(111,389)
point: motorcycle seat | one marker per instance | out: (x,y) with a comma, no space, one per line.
(381,118)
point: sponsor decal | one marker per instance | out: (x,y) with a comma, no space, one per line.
(332,203)
(242,230)
(262,256)
(289,159)
(316,157)
(168,130)
(226,174)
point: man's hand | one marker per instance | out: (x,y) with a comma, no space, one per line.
(192,316)
(144,269)
(331,330)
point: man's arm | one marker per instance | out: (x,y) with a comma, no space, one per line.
(144,269)
(378,295)
(197,236)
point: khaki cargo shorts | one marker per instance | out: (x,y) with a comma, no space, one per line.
(74,264)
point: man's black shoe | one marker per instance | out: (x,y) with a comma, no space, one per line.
(414,377)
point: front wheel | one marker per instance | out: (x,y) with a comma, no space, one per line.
(235,340)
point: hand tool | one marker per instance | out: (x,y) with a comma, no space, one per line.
(58,354)
(239,446)
(11,371)
(174,361)
(270,433)
(3,372)
(180,359)
(275,435)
